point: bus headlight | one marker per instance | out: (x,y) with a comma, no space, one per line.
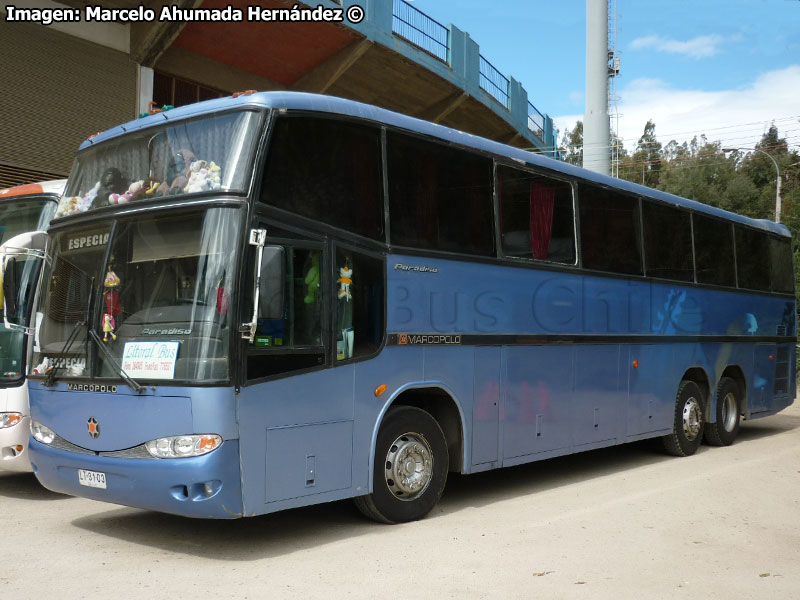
(183,446)
(41,433)
(9,419)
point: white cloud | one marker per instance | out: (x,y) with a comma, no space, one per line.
(735,117)
(700,47)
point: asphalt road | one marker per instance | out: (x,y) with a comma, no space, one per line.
(625,522)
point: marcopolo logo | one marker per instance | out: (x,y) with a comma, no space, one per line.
(92,387)
(94,428)
(412,339)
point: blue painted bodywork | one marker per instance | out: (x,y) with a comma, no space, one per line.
(310,437)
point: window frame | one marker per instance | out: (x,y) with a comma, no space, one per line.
(381,257)
(528,169)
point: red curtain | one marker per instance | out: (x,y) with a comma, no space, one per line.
(541,219)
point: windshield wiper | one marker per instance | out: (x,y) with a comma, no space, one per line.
(136,387)
(51,374)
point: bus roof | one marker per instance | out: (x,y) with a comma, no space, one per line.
(341,106)
(54,187)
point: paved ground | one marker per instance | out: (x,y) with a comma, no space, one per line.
(618,523)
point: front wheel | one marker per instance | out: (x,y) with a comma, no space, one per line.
(689,420)
(725,429)
(411,465)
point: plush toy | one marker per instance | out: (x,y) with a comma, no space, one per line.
(203,176)
(135,192)
(178,172)
(344,281)
(43,367)
(108,327)
(312,280)
(152,187)
(111,295)
(112,182)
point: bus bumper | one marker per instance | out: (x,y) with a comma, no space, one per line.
(206,486)
(14,447)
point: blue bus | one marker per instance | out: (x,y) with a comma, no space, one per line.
(279,299)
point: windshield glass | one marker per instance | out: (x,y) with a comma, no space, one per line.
(20,216)
(185,157)
(156,290)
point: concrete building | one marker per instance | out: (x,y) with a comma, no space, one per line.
(63,82)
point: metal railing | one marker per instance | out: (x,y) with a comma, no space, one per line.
(535,121)
(493,82)
(419,29)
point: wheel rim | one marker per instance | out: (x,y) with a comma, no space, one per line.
(729,411)
(408,467)
(692,418)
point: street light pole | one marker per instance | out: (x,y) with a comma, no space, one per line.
(777,180)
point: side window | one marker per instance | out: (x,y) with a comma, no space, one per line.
(713,251)
(327,170)
(667,242)
(536,218)
(440,198)
(359,298)
(781,274)
(294,341)
(752,259)
(610,230)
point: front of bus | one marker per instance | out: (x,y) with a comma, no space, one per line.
(131,379)
(23,209)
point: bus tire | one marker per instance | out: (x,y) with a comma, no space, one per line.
(725,429)
(687,430)
(411,465)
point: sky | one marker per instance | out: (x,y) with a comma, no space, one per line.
(727,69)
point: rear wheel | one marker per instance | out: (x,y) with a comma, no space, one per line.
(726,428)
(688,425)
(411,465)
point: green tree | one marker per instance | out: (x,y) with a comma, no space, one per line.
(571,146)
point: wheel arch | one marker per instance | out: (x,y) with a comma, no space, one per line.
(440,402)
(736,373)
(700,377)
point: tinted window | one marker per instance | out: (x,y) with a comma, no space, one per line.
(667,242)
(713,251)
(752,259)
(610,231)
(440,198)
(536,218)
(327,170)
(781,274)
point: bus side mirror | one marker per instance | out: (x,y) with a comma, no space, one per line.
(272,283)
(10,289)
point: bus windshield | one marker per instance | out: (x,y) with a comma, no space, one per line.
(17,217)
(185,157)
(155,291)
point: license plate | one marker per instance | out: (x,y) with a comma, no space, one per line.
(92,479)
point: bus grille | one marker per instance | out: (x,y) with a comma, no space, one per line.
(136,452)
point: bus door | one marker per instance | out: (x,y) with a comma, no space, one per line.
(296,409)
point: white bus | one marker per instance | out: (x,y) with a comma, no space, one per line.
(25,212)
